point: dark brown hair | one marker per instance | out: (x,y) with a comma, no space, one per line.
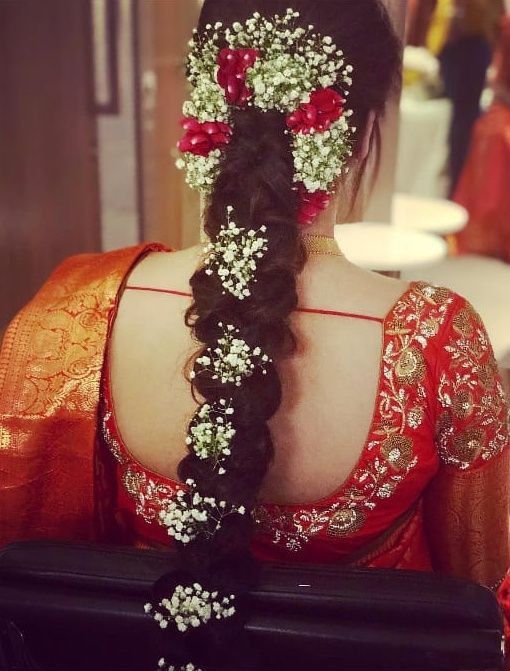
(256,178)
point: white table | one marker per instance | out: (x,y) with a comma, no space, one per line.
(383,247)
(430,215)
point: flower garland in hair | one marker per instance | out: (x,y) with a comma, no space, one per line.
(233,256)
(189,515)
(269,63)
(232,360)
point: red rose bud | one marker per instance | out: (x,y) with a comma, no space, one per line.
(202,138)
(311,204)
(325,107)
(231,75)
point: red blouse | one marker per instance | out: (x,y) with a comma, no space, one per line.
(440,405)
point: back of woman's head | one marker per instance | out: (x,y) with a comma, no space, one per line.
(242,336)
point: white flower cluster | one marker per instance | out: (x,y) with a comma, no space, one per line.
(320,158)
(232,256)
(210,434)
(164,666)
(292,62)
(201,171)
(191,607)
(233,359)
(207,102)
(295,61)
(189,514)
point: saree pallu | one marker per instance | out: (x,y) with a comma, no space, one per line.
(50,368)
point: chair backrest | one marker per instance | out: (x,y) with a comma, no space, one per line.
(81,607)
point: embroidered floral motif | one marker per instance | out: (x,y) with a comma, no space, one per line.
(150,497)
(468,444)
(410,367)
(398,451)
(472,423)
(346,521)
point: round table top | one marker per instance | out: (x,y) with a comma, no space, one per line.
(431,215)
(385,247)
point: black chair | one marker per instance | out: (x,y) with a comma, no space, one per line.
(80,607)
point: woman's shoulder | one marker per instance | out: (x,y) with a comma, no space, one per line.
(171,271)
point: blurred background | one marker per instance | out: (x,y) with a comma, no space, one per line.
(90,102)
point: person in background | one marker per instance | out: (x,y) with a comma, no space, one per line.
(462,34)
(465,59)
(484,186)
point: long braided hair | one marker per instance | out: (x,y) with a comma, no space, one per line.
(256,183)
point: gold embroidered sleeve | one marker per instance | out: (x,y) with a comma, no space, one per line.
(471,408)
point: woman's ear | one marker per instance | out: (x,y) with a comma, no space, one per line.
(364,147)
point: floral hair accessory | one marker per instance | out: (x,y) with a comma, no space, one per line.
(233,359)
(311,205)
(164,666)
(191,607)
(211,432)
(233,256)
(271,63)
(202,138)
(325,107)
(189,514)
(232,66)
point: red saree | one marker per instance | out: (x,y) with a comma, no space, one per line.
(430,489)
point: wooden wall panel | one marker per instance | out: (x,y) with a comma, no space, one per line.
(171,210)
(48,176)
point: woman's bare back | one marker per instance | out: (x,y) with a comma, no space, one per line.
(329,385)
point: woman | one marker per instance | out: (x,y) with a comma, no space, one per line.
(483,187)
(307,379)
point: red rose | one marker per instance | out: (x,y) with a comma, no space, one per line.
(311,204)
(232,73)
(325,107)
(202,138)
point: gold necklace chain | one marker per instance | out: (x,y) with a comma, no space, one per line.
(321,244)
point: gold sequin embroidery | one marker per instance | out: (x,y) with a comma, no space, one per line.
(410,367)
(346,521)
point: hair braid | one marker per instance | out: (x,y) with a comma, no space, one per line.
(256,179)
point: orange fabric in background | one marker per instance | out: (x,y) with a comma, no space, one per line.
(484,187)
(50,368)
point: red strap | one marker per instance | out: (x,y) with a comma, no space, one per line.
(159,291)
(312,311)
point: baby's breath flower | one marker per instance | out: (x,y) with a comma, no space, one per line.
(233,256)
(201,171)
(320,158)
(232,360)
(192,606)
(211,432)
(164,666)
(189,514)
